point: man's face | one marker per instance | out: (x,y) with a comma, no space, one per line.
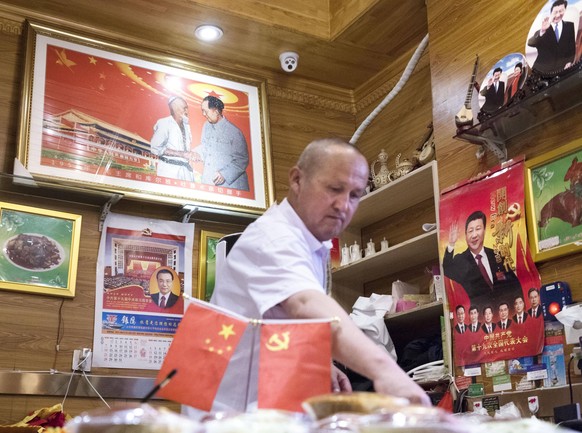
(503,312)
(475,235)
(327,198)
(496,76)
(474,315)
(519,305)
(211,114)
(488,314)
(180,110)
(557,14)
(534,299)
(165,283)
(461,315)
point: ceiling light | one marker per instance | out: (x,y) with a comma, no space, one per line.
(208,33)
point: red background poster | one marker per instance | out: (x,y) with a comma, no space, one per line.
(491,305)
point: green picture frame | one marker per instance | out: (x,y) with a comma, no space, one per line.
(39,250)
(554,202)
(207,264)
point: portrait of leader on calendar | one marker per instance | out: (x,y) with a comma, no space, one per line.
(554,42)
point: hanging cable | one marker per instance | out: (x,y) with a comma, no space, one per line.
(403,79)
(60,333)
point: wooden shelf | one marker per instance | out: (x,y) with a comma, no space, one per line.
(420,313)
(401,256)
(407,191)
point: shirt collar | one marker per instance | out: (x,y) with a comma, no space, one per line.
(313,243)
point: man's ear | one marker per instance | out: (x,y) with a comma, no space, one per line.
(295,178)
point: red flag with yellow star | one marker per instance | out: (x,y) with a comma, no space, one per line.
(294,363)
(200,352)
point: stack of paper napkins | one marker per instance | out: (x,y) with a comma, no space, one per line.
(368,314)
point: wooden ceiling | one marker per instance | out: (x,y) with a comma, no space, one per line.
(341,43)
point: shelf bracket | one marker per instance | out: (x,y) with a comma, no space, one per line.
(186,212)
(106,208)
(496,147)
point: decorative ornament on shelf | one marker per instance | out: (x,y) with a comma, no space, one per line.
(425,153)
(403,167)
(382,177)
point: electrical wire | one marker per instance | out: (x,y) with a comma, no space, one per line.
(76,368)
(401,82)
(60,334)
(570,379)
(94,389)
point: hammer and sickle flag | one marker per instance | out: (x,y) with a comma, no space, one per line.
(294,363)
(200,352)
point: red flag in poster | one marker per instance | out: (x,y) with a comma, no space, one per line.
(204,342)
(295,363)
(489,273)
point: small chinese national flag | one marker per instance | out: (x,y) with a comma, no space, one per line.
(200,352)
(294,364)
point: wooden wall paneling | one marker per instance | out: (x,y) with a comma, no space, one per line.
(293,125)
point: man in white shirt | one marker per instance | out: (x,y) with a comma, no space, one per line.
(277,269)
(171,142)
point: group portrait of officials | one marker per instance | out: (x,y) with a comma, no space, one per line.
(495,296)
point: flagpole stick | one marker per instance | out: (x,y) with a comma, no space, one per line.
(159,386)
(256,323)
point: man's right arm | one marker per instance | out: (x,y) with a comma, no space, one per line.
(353,348)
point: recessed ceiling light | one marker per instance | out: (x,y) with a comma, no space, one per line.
(208,33)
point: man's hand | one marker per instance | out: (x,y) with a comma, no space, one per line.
(394,385)
(218,179)
(339,381)
(545,25)
(453,234)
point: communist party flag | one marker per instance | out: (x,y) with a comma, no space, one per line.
(204,342)
(294,363)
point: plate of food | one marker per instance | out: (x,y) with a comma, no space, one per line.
(33,252)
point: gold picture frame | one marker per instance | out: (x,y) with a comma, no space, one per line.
(100,114)
(554,202)
(207,263)
(40,250)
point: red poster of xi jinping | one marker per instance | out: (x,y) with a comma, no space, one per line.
(491,282)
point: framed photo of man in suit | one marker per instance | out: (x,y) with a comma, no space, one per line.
(554,43)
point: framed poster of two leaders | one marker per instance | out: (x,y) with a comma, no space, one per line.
(108,116)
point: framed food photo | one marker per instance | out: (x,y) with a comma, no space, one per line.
(554,202)
(128,120)
(40,250)
(207,264)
